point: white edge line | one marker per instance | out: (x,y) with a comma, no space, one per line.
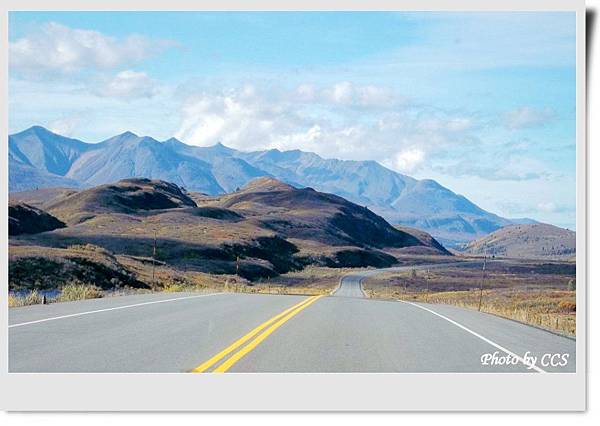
(485,339)
(110,309)
(338,286)
(360,286)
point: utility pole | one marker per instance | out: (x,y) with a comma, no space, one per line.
(427,285)
(482,277)
(237,265)
(154,258)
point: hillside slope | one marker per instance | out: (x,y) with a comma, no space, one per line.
(537,240)
(26,219)
(125,196)
(264,229)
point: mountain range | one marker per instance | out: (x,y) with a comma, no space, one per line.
(39,158)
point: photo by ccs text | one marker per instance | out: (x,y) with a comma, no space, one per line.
(530,360)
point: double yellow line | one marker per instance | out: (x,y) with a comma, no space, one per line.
(271,325)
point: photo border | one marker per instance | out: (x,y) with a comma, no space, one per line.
(307,391)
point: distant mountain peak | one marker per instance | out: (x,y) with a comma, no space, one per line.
(173,141)
(220,147)
(38,128)
(41,131)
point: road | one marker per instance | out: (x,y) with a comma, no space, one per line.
(351,284)
(232,332)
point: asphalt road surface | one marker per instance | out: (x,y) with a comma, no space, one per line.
(351,284)
(228,332)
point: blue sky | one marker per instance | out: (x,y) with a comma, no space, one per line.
(482,102)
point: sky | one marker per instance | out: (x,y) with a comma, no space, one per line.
(484,103)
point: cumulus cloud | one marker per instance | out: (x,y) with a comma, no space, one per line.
(327,121)
(527,117)
(58,48)
(129,84)
(243,119)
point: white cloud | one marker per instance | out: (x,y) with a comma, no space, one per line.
(526,117)
(346,93)
(129,84)
(306,92)
(374,96)
(342,93)
(251,118)
(66,126)
(56,47)
(243,119)
(409,160)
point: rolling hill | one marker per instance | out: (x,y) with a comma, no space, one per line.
(26,219)
(39,158)
(537,240)
(264,229)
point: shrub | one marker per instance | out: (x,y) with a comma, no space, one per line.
(567,306)
(175,287)
(31,298)
(77,290)
(572,285)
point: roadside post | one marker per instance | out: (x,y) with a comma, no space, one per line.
(427,285)
(154,258)
(482,277)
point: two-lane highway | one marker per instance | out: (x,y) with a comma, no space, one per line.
(230,332)
(351,284)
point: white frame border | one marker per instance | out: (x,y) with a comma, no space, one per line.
(314,392)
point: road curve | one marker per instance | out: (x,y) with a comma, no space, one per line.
(228,332)
(351,284)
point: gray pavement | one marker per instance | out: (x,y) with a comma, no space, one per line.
(164,337)
(175,332)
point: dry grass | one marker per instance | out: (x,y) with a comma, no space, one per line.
(270,289)
(310,280)
(77,290)
(528,296)
(31,298)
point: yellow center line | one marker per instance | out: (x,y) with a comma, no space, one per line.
(209,363)
(254,343)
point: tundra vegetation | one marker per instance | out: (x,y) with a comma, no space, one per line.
(534,292)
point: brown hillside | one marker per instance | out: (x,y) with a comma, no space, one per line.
(26,219)
(538,240)
(265,229)
(125,196)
